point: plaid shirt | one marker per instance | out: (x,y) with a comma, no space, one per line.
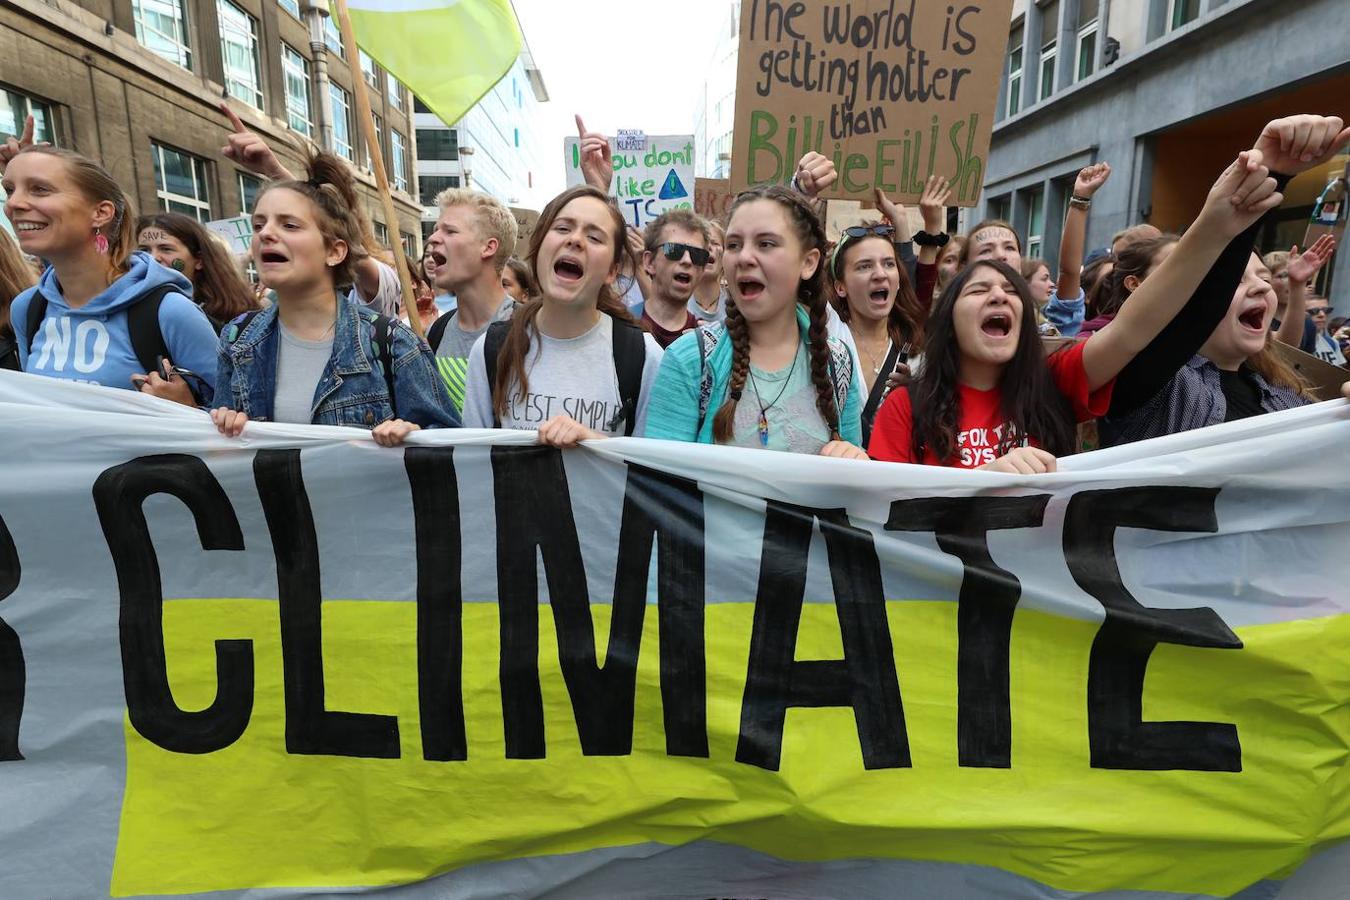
(1192,399)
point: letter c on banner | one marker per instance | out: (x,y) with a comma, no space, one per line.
(118,496)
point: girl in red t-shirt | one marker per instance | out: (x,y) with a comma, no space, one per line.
(989,398)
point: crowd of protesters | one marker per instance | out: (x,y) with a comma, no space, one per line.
(756,331)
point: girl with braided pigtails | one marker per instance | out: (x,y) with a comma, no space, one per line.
(771,377)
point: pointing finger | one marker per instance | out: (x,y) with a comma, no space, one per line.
(235,122)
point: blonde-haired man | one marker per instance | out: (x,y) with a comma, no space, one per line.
(474,237)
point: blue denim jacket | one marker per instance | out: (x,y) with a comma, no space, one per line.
(352,390)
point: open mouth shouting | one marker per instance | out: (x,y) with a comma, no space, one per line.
(1254,319)
(683,279)
(997,324)
(880,297)
(271,256)
(750,289)
(569,270)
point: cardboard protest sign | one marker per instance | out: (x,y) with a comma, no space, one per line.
(646,182)
(840,214)
(712,198)
(526,219)
(1325,378)
(892,91)
(237,231)
(661,663)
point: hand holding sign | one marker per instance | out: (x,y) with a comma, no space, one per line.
(251,151)
(597,159)
(11,147)
(815,173)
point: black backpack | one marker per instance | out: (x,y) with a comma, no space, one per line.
(630,355)
(147,341)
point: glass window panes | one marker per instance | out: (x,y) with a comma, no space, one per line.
(437,144)
(1088,11)
(1035,222)
(239,52)
(291,6)
(161,27)
(15,108)
(1049,23)
(399,152)
(1184,11)
(379,141)
(1015,72)
(395,91)
(342,122)
(430,186)
(381,234)
(295,68)
(1087,51)
(1047,81)
(332,37)
(249,186)
(180,182)
(368,68)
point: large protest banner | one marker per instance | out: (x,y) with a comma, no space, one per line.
(652,173)
(892,91)
(299,664)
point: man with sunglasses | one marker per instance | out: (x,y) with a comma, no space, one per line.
(675,254)
(1325,347)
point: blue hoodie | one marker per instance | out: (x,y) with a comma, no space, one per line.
(92,344)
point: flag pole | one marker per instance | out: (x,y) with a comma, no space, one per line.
(377,163)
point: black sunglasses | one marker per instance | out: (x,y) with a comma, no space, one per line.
(857,231)
(1318,310)
(675,252)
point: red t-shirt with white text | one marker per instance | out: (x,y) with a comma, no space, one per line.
(980,424)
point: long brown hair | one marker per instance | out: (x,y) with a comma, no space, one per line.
(511,359)
(217,287)
(904,323)
(1031,405)
(810,293)
(94,182)
(1109,294)
(331,189)
(16,276)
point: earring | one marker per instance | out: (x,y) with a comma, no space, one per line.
(100,242)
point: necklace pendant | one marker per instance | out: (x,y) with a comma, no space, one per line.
(876,370)
(763,429)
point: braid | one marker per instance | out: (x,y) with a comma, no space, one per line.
(725,420)
(818,345)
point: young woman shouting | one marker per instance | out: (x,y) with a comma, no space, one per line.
(772,378)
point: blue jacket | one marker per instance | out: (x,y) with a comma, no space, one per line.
(672,411)
(1066,315)
(92,344)
(352,390)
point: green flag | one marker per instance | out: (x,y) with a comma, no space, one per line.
(448,52)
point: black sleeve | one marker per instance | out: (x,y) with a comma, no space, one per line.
(904,252)
(1183,337)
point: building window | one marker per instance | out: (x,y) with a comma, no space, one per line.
(1183,12)
(430,186)
(180,182)
(419,106)
(394,89)
(379,143)
(381,234)
(1088,25)
(399,151)
(409,244)
(1015,72)
(437,144)
(332,37)
(1035,223)
(368,69)
(161,27)
(15,108)
(1000,208)
(239,51)
(295,69)
(291,6)
(340,100)
(1049,49)
(249,186)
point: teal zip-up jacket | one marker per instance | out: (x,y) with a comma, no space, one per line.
(673,410)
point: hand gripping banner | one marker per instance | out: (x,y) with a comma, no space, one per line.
(300,664)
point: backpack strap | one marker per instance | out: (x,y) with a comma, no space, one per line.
(436,333)
(492,348)
(382,343)
(37,311)
(630,355)
(239,324)
(708,338)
